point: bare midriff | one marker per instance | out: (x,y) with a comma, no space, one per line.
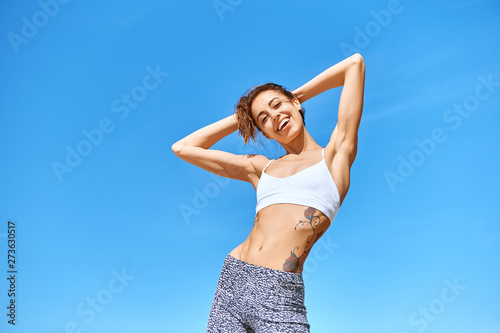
(282,237)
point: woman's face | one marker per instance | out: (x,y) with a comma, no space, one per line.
(277,116)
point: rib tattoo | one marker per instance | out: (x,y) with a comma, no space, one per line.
(294,262)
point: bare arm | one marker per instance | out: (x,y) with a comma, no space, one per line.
(207,136)
(194,149)
(342,148)
(330,78)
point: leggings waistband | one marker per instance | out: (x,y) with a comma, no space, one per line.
(261,270)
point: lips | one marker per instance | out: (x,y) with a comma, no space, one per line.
(283,124)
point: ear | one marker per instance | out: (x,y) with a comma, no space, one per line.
(296,103)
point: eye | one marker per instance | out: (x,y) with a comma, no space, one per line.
(263,119)
(277,105)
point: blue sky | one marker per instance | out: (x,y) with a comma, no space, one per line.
(117,234)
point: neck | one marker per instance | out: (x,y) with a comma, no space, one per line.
(302,143)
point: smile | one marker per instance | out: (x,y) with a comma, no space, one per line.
(283,124)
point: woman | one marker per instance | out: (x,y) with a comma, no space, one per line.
(260,288)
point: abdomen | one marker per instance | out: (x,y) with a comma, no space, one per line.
(282,237)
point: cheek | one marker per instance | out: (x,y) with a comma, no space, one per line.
(256,125)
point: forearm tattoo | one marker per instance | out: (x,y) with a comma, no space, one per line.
(295,263)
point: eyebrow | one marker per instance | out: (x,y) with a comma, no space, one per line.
(267,104)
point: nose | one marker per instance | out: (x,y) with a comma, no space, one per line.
(276,116)
(276,120)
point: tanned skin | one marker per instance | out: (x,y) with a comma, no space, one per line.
(295,263)
(283,234)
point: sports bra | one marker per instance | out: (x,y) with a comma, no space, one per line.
(313,186)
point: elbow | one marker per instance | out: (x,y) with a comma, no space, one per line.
(357,59)
(177,148)
(358,63)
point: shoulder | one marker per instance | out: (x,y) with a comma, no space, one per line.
(258,162)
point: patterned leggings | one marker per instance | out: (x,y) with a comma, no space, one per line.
(257,299)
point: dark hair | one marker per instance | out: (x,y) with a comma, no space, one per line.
(246,124)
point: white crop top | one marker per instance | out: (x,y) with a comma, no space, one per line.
(313,186)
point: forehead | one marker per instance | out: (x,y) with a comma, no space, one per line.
(262,100)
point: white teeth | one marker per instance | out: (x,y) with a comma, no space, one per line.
(283,122)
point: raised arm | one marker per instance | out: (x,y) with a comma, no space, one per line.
(194,149)
(342,148)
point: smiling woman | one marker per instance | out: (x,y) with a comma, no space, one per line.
(243,109)
(260,288)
